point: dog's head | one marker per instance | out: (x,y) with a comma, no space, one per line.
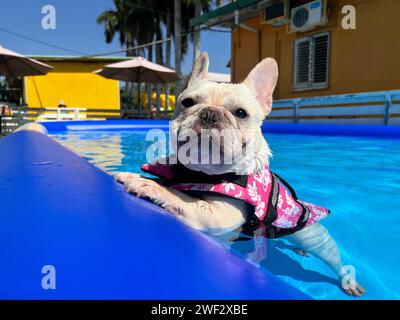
(217,126)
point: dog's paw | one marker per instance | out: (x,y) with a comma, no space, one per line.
(121,177)
(355,290)
(147,188)
(143,188)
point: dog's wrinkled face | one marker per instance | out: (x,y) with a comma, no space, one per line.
(217,126)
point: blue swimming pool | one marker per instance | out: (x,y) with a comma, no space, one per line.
(358,178)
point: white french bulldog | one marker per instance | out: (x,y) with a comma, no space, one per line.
(242,108)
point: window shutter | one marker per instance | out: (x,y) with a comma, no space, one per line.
(321,56)
(311,62)
(301,63)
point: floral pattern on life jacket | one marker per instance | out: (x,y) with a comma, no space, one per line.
(316,213)
(257,192)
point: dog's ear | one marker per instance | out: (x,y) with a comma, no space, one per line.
(262,81)
(200,69)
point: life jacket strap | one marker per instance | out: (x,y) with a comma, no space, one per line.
(269,230)
(273,232)
(287,185)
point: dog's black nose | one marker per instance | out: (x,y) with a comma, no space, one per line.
(210,116)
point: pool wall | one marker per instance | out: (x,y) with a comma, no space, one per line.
(57,210)
(379,131)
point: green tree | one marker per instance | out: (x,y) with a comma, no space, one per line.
(139,22)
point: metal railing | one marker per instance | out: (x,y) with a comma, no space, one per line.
(22,115)
(363,108)
(360,108)
(59,114)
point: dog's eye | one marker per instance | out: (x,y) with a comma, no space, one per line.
(188,102)
(241,113)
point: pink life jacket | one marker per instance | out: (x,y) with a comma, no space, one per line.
(276,211)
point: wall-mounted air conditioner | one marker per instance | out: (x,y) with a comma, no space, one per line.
(308,16)
(275,13)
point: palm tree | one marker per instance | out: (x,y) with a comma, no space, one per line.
(201,6)
(134,22)
(142,21)
(174,17)
(159,60)
(183,12)
(196,34)
(115,21)
(178,42)
(168,21)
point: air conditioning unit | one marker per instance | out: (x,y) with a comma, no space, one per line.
(308,16)
(275,13)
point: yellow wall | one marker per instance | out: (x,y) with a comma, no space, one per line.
(365,59)
(73,82)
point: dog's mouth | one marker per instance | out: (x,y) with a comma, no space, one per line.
(209,146)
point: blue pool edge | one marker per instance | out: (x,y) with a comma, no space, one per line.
(378,131)
(75,217)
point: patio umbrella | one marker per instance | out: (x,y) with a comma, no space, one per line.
(138,70)
(13,64)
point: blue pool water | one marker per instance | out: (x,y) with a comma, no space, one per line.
(357,178)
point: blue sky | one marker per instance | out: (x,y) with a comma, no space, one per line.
(78,31)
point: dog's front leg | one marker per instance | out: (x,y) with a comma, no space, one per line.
(206,215)
(316,240)
(147,188)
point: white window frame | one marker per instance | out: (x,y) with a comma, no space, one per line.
(310,85)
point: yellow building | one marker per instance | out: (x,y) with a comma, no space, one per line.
(317,49)
(73,82)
